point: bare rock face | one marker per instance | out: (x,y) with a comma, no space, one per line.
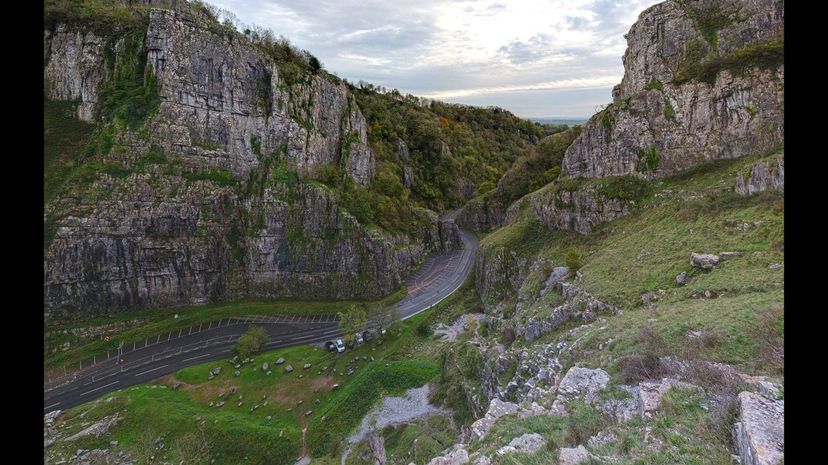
(74,68)
(578,210)
(481,214)
(680,103)
(762,176)
(173,233)
(759,436)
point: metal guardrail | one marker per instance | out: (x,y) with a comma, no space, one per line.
(97,363)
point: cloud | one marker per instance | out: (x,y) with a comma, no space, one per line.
(450,49)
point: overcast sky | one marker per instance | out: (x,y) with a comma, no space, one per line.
(536,58)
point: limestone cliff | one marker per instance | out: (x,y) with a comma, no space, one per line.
(703,80)
(209,194)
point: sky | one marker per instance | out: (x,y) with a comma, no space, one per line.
(535,58)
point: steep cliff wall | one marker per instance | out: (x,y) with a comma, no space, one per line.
(703,80)
(206,192)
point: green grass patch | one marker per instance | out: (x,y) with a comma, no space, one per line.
(353,401)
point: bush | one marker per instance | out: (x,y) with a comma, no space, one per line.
(251,342)
(424,329)
(573,260)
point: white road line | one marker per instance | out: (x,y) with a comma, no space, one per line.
(225,351)
(148,371)
(99,388)
(50,406)
(193,358)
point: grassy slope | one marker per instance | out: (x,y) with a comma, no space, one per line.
(403,360)
(695,211)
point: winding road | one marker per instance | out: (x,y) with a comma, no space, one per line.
(438,278)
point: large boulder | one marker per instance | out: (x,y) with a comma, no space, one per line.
(760,433)
(704,261)
(497,408)
(580,383)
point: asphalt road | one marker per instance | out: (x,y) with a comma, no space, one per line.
(438,278)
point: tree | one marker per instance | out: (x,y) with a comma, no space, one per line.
(251,342)
(385,317)
(352,321)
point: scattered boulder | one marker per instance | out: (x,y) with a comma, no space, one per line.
(649,297)
(579,382)
(280,361)
(528,443)
(265,366)
(775,266)
(335,386)
(237,373)
(724,256)
(601,438)
(651,393)
(573,456)
(306,366)
(97,429)
(49,418)
(497,408)
(704,261)
(456,455)
(760,435)
(682,278)
(288,368)
(308,413)
(215,371)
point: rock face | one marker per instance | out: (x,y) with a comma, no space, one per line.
(577,210)
(74,68)
(479,214)
(573,455)
(759,436)
(226,212)
(456,455)
(681,101)
(762,176)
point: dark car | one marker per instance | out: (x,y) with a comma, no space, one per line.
(330,346)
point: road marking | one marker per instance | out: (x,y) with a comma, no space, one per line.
(99,388)
(148,371)
(193,358)
(50,406)
(225,351)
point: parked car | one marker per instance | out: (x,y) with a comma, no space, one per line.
(340,347)
(330,346)
(368,335)
(359,338)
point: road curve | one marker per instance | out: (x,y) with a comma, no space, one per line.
(438,278)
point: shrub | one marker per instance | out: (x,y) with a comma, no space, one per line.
(251,342)
(573,260)
(636,368)
(424,329)
(648,159)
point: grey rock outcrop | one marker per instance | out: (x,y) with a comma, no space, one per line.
(579,210)
(97,429)
(170,234)
(497,408)
(759,435)
(762,176)
(528,443)
(663,118)
(481,214)
(682,278)
(651,393)
(573,455)
(456,455)
(704,261)
(580,383)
